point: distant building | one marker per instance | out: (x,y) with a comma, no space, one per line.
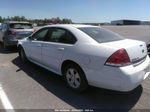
(105,24)
(126,22)
(145,23)
(96,24)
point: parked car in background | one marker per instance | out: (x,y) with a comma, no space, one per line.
(12,31)
(148,48)
(88,55)
(0,26)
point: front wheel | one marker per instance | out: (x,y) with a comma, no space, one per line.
(75,78)
(22,55)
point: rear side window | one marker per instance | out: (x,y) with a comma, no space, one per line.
(21,26)
(57,34)
(60,36)
(101,35)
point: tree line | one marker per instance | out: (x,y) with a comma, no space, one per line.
(56,20)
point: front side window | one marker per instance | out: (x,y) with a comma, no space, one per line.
(101,35)
(40,35)
(60,35)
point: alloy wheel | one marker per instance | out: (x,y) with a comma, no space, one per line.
(73,78)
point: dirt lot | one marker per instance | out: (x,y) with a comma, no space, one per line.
(132,32)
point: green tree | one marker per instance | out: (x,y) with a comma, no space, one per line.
(67,21)
(59,20)
(37,21)
(22,18)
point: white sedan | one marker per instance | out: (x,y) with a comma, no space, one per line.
(88,55)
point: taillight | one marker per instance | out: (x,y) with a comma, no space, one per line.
(119,58)
(11,32)
(34,31)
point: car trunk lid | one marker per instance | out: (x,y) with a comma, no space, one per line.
(136,50)
(22,33)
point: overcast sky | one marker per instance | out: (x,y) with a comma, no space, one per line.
(77,10)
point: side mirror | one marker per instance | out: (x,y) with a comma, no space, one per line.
(29,38)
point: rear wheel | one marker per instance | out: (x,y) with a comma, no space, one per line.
(22,55)
(75,78)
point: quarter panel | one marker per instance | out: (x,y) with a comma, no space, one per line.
(89,56)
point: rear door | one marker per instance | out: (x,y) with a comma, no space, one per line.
(33,47)
(58,42)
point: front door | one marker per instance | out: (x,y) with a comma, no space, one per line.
(33,46)
(58,42)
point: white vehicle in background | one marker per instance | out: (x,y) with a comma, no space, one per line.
(88,55)
(0,26)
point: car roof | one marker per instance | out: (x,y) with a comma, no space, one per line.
(71,25)
(9,22)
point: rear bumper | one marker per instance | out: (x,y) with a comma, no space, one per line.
(121,79)
(11,42)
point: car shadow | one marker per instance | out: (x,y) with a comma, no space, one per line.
(12,49)
(92,98)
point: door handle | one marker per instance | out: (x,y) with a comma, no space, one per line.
(39,45)
(61,49)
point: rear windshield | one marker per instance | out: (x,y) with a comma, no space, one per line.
(21,26)
(101,35)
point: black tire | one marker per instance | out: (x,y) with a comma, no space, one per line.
(5,46)
(83,82)
(22,55)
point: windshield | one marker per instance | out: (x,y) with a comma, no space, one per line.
(101,35)
(21,26)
